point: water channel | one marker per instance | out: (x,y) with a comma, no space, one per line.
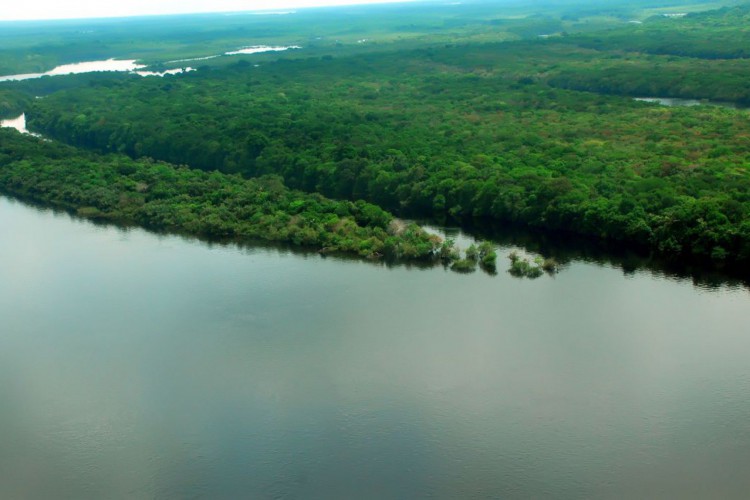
(130,65)
(137,365)
(18,123)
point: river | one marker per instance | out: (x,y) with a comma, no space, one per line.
(130,65)
(18,123)
(136,365)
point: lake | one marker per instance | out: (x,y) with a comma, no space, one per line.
(137,365)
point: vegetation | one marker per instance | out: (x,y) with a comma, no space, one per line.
(449,252)
(467,114)
(464,266)
(446,138)
(33,47)
(487,257)
(12,103)
(681,33)
(472,253)
(523,268)
(550,265)
(161,196)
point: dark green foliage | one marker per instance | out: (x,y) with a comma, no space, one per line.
(523,268)
(13,103)
(717,34)
(160,196)
(648,76)
(487,256)
(469,142)
(550,266)
(472,253)
(448,251)
(464,130)
(489,261)
(531,268)
(464,266)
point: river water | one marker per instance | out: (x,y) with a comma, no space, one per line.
(130,65)
(77,68)
(18,123)
(134,365)
(115,65)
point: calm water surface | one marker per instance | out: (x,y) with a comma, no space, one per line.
(77,68)
(140,366)
(18,123)
(130,66)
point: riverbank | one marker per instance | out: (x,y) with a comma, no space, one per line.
(128,352)
(177,199)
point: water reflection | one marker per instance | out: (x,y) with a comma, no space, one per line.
(136,365)
(567,249)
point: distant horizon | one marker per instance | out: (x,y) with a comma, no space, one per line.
(53,10)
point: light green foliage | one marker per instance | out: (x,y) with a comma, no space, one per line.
(531,268)
(472,253)
(523,268)
(12,103)
(448,251)
(487,256)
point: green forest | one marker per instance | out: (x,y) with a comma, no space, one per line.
(160,196)
(522,120)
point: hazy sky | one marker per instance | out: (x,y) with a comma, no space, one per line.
(60,9)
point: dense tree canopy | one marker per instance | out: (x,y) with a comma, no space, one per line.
(161,196)
(542,131)
(455,131)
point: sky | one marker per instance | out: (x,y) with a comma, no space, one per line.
(11,10)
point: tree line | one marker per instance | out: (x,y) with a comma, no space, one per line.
(161,196)
(464,131)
